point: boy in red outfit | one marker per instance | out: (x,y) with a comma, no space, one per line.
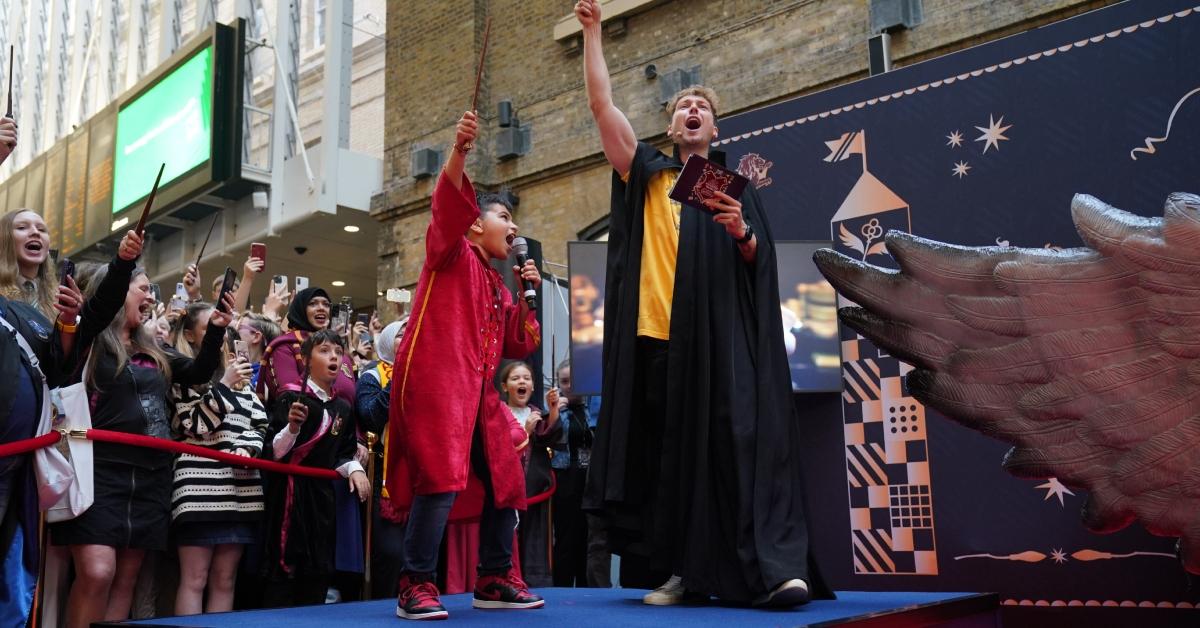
(446,417)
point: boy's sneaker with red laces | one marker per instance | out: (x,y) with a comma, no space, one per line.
(504,591)
(419,599)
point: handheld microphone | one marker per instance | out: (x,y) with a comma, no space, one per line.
(521,251)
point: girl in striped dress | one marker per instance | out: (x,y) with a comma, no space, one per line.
(215,506)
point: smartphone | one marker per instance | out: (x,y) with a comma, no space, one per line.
(279,282)
(179,301)
(241,350)
(365,319)
(226,286)
(398,295)
(301,283)
(258,250)
(156,290)
(66,268)
(346,312)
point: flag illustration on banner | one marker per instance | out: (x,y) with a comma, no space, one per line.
(850,143)
(887,457)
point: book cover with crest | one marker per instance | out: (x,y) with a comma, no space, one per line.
(701,179)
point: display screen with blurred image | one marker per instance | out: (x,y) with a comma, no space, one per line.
(587,261)
(808,308)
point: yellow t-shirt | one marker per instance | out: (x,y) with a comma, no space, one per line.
(660,247)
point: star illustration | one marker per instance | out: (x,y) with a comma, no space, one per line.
(1054,488)
(955,139)
(1059,556)
(993,133)
(960,169)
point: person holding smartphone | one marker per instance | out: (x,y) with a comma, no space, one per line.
(28,276)
(362,342)
(215,507)
(130,375)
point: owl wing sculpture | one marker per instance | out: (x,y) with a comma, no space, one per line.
(1084,359)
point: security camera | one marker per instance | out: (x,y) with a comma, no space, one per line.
(651,71)
(301,250)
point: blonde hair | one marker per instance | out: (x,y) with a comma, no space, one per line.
(695,90)
(186,321)
(10,271)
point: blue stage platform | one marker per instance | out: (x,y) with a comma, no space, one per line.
(577,608)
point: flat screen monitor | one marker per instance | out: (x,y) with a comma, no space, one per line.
(171,123)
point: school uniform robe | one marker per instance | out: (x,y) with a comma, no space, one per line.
(301,516)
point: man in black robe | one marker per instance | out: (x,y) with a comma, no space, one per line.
(695,461)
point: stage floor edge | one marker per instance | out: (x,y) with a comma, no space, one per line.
(624,607)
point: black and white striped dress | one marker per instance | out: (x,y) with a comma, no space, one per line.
(222,419)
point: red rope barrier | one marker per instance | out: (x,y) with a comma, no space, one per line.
(161,444)
(139,440)
(29,444)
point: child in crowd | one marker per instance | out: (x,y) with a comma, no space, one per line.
(310,426)
(541,431)
(215,506)
(257,331)
(446,416)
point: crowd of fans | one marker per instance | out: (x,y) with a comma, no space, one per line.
(293,383)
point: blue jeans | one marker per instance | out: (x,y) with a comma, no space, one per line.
(427,523)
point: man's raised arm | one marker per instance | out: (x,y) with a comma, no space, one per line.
(616,135)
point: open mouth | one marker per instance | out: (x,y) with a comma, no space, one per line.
(692,123)
(522,391)
(34,246)
(508,239)
(320,319)
(333,368)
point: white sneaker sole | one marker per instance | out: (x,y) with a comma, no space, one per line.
(421,616)
(784,597)
(477,603)
(662,599)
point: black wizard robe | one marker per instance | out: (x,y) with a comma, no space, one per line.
(728,514)
(301,520)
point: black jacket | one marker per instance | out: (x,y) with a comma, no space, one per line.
(134,400)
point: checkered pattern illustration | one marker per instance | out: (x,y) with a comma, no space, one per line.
(887,460)
(887,466)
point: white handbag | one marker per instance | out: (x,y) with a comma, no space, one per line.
(71,412)
(64,472)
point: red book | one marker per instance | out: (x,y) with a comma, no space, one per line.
(701,179)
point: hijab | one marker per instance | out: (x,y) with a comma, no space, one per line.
(298,310)
(386,345)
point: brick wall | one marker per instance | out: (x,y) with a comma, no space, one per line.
(753,53)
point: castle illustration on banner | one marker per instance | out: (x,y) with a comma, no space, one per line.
(887,456)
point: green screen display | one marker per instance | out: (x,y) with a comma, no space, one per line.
(170,123)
